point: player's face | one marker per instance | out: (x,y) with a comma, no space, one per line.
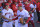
(26,2)
(20,8)
(7,6)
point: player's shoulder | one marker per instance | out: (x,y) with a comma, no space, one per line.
(4,10)
(10,9)
(31,4)
(25,10)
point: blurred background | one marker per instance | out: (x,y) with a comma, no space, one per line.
(36,16)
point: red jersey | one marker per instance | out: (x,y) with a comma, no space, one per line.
(14,7)
(27,7)
(38,6)
(15,16)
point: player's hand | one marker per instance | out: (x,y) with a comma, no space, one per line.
(34,9)
(9,20)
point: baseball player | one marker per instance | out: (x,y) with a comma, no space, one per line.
(14,8)
(16,19)
(15,15)
(28,7)
(38,11)
(14,4)
(32,18)
(7,15)
(22,14)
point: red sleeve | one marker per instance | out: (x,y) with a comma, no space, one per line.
(15,18)
(30,15)
(28,19)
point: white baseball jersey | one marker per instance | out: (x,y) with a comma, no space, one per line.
(7,14)
(31,5)
(22,14)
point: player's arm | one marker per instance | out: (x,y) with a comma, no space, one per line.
(15,18)
(28,19)
(12,13)
(3,15)
(34,8)
(6,18)
(27,15)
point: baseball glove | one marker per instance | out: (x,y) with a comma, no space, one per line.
(23,21)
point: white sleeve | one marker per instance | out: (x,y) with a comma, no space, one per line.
(3,13)
(31,5)
(17,12)
(12,12)
(27,14)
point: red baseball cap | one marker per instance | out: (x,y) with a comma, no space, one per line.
(15,8)
(6,3)
(20,4)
